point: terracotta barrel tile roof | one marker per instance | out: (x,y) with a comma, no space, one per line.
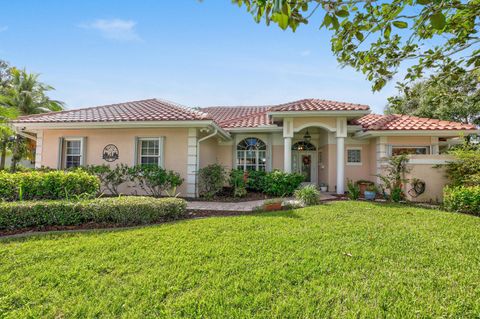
(318,105)
(144,110)
(240,116)
(376,122)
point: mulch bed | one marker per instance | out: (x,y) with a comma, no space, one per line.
(226,195)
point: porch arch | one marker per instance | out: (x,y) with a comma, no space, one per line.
(315,124)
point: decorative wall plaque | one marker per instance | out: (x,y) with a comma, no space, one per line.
(110,153)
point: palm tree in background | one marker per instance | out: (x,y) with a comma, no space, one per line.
(22,94)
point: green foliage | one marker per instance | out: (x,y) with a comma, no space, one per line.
(462,199)
(452,97)
(256,180)
(110,178)
(47,185)
(394,179)
(238,182)
(155,180)
(308,195)
(353,190)
(211,180)
(465,169)
(376,37)
(121,211)
(278,183)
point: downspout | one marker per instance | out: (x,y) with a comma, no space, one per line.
(215,131)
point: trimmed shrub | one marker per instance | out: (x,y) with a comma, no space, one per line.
(462,199)
(256,180)
(238,182)
(465,169)
(278,183)
(211,180)
(121,211)
(47,185)
(155,180)
(110,178)
(308,195)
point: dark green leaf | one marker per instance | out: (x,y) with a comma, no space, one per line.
(342,13)
(400,24)
(438,21)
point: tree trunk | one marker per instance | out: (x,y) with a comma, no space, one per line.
(13,166)
(3,155)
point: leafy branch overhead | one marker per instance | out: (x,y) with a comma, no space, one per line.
(375,37)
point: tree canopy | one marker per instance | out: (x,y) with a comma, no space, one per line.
(376,37)
(454,98)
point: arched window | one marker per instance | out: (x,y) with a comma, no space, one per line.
(303,146)
(251,154)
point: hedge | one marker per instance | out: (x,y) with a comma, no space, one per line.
(278,183)
(462,199)
(37,185)
(120,211)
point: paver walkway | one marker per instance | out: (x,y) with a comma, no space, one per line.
(236,206)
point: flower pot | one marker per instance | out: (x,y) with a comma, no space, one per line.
(272,206)
(323,189)
(363,188)
(370,195)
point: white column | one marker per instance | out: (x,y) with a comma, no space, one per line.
(287,144)
(192,162)
(340,165)
(287,154)
(39,150)
(341,135)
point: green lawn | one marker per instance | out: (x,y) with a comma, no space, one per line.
(344,259)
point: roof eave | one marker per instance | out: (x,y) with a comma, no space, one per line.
(348,113)
(440,133)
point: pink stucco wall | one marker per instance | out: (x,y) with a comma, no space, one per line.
(175,151)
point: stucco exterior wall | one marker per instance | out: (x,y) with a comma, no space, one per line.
(175,147)
(208,152)
(328,122)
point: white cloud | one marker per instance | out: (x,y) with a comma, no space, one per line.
(305,53)
(114,29)
(3,28)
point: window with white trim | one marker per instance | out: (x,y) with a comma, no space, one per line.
(72,152)
(354,156)
(409,150)
(149,151)
(251,154)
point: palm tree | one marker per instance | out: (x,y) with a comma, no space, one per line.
(26,95)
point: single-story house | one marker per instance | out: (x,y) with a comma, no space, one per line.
(327,141)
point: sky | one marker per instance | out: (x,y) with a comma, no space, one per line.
(193,53)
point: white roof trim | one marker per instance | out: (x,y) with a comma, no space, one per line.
(441,133)
(255,129)
(318,113)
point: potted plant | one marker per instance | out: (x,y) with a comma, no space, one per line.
(272,204)
(370,192)
(363,184)
(323,187)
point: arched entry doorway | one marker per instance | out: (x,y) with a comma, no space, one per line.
(304,161)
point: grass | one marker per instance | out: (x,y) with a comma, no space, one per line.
(344,259)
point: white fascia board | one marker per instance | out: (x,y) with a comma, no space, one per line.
(354,128)
(125,124)
(255,129)
(319,113)
(441,133)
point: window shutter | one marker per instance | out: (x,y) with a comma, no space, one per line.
(60,153)
(83,161)
(161,148)
(135,151)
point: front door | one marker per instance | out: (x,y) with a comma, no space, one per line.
(304,162)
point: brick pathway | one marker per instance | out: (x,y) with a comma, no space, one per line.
(235,206)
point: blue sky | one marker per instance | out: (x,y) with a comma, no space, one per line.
(194,53)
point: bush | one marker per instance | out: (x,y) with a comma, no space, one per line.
(238,182)
(462,199)
(256,180)
(110,178)
(211,180)
(47,185)
(353,190)
(465,169)
(155,180)
(308,195)
(121,211)
(278,183)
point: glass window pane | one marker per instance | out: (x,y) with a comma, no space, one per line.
(354,156)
